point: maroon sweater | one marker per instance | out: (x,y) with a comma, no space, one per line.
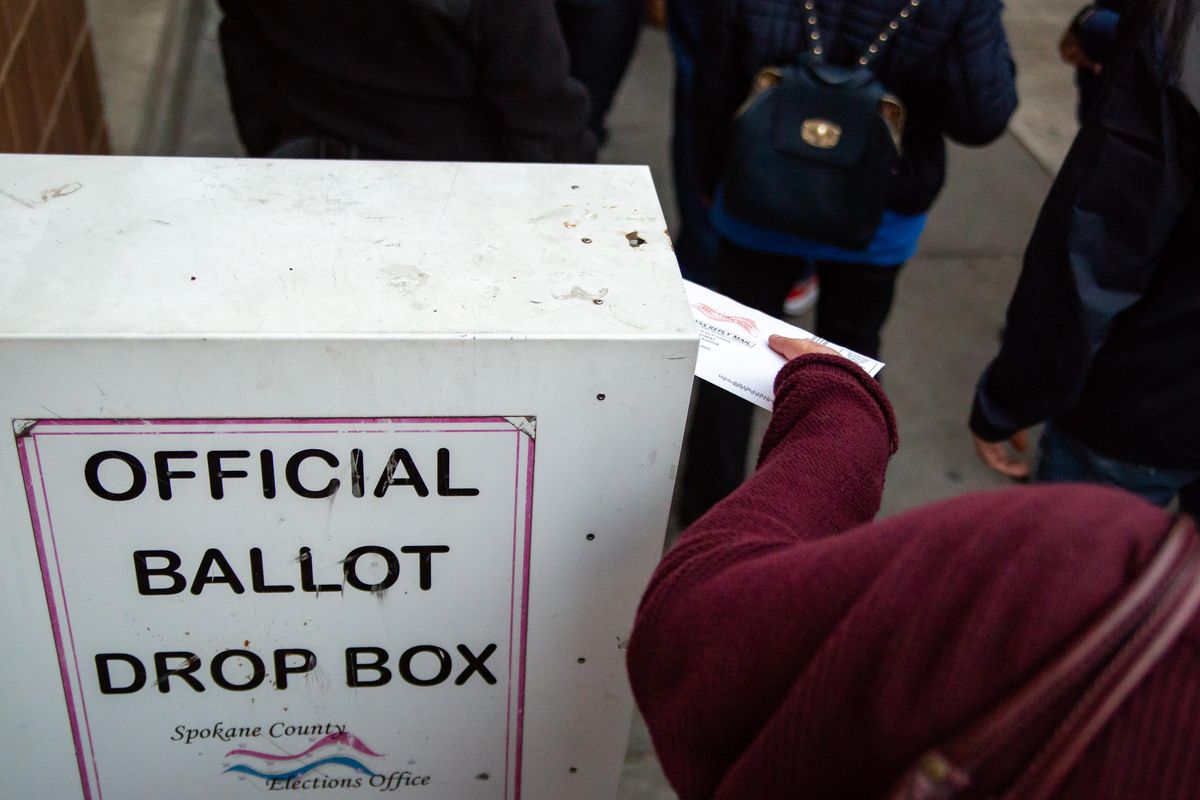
(789,647)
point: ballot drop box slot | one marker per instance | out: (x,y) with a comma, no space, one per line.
(329,477)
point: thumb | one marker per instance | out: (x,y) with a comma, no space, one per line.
(791,348)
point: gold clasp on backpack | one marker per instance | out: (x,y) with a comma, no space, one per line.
(895,115)
(821,133)
(765,78)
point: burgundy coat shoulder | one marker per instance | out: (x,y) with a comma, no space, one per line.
(789,647)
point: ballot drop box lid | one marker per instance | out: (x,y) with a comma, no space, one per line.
(329,477)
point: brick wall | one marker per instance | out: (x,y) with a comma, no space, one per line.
(49,93)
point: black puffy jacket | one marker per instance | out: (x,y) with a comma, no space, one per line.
(1103,332)
(950,65)
(456,80)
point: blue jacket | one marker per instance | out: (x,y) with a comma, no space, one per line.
(1103,332)
(950,65)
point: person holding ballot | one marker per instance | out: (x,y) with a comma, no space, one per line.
(1033,642)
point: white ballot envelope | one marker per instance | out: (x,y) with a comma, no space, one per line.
(733,346)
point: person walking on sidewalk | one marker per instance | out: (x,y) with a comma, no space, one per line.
(1087,45)
(601,36)
(1102,340)
(949,64)
(444,80)
(694,240)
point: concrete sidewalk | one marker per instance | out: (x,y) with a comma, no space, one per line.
(1045,122)
(951,298)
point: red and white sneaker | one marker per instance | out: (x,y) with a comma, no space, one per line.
(802,296)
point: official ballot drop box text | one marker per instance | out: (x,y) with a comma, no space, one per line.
(340,478)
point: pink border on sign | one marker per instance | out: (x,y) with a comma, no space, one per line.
(54,625)
(69,423)
(280,430)
(524,611)
(30,434)
(524,630)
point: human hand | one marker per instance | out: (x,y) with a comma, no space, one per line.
(997,456)
(791,348)
(656,14)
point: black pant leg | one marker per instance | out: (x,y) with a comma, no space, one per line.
(720,432)
(854,303)
(600,38)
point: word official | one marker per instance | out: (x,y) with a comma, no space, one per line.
(223,465)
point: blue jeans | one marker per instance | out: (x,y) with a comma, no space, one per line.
(1064,459)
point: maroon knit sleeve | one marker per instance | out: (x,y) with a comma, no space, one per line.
(789,647)
(821,473)
(801,378)
(820,468)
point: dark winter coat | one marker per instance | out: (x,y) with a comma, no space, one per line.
(458,80)
(950,66)
(1103,332)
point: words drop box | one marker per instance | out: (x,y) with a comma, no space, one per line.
(234,601)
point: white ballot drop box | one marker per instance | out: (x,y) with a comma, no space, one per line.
(329,477)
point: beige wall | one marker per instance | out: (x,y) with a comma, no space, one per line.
(49,96)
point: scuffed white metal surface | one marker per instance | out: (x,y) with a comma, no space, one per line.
(241,247)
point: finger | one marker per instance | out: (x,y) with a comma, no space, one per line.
(790,348)
(995,456)
(1006,465)
(1017,470)
(787,347)
(990,454)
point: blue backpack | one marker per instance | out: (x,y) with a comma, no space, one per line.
(815,145)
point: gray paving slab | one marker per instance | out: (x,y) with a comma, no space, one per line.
(944,330)
(205,124)
(642,778)
(1045,121)
(990,201)
(140,46)
(126,36)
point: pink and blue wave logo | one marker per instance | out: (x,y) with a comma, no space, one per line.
(717,315)
(283,767)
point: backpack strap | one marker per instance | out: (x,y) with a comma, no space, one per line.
(812,31)
(1109,690)
(1131,637)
